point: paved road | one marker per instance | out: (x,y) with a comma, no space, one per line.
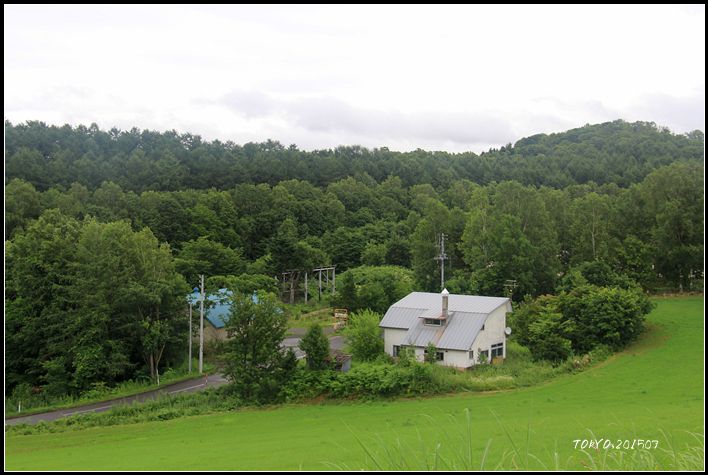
(188,386)
(192,385)
(335,343)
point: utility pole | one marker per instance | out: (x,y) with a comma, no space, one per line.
(201,327)
(509,286)
(441,257)
(190,336)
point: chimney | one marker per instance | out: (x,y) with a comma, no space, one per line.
(445,295)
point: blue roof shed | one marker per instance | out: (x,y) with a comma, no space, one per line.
(218,308)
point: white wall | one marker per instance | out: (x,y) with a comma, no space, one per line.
(456,358)
(493,333)
(393,336)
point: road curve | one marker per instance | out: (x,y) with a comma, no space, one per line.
(188,386)
(192,385)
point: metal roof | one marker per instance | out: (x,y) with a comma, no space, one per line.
(420,334)
(456,302)
(218,309)
(461,330)
(397,317)
(467,314)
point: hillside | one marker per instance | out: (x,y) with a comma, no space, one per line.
(650,391)
(138,160)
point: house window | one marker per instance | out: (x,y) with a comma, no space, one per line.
(433,321)
(471,355)
(439,355)
(396,350)
(498,350)
(484,356)
(482,328)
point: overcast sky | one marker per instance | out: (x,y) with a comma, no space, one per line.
(439,78)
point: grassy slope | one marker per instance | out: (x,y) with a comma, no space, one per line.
(655,385)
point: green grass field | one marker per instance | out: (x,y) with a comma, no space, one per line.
(653,390)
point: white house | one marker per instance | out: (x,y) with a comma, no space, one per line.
(462,327)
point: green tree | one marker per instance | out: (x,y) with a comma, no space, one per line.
(374,287)
(431,353)
(364,335)
(589,229)
(634,259)
(37,300)
(244,283)
(436,220)
(347,295)
(130,300)
(497,250)
(316,346)
(538,325)
(88,301)
(203,256)
(22,204)
(255,362)
(374,254)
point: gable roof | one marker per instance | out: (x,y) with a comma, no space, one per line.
(466,316)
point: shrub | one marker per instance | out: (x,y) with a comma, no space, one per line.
(603,316)
(595,273)
(373,287)
(316,345)
(553,327)
(431,352)
(364,335)
(368,380)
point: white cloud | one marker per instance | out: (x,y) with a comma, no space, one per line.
(437,77)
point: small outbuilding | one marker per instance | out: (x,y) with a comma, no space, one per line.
(465,329)
(217,309)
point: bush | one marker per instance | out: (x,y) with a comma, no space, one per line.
(603,316)
(431,353)
(595,273)
(364,335)
(316,345)
(373,287)
(538,325)
(587,317)
(368,380)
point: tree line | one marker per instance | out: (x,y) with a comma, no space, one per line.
(140,160)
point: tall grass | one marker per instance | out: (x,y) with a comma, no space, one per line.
(163,408)
(443,450)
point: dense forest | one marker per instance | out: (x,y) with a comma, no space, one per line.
(105,230)
(49,156)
